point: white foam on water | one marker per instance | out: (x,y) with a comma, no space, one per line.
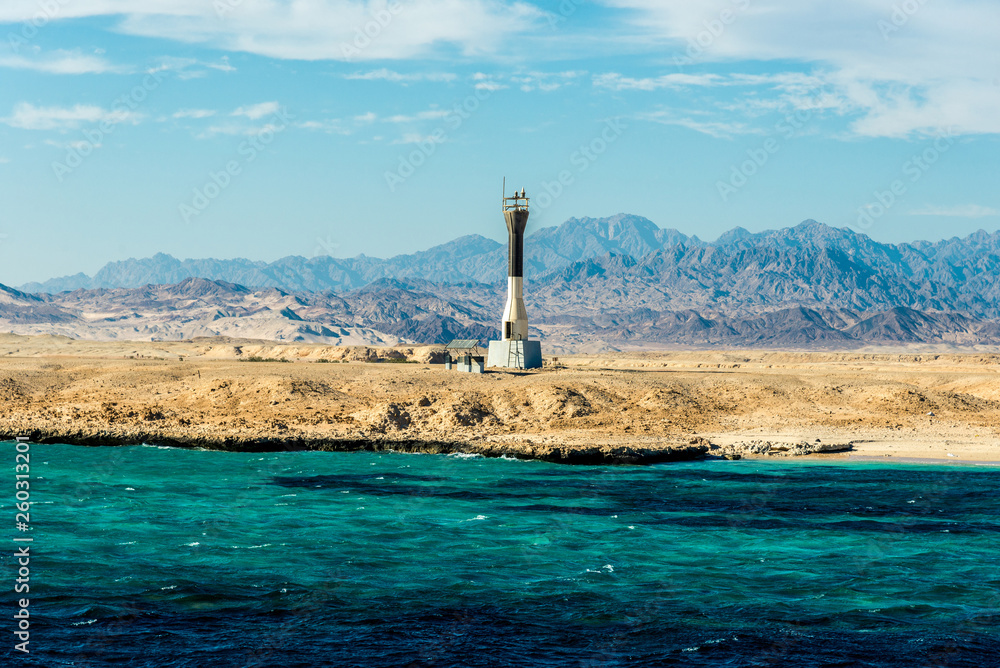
(168,588)
(85,622)
(606,568)
(131,542)
(191,544)
(130,489)
(465,455)
(478,518)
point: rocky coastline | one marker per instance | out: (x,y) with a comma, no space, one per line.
(573,455)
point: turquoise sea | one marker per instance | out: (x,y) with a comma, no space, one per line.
(144,556)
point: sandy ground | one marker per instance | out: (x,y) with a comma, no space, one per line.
(762,404)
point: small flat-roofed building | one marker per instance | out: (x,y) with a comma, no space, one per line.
(464,355)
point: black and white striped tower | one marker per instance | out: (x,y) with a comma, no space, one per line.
(514,350)
(515,317)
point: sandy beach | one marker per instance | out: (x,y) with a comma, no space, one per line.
(622,407)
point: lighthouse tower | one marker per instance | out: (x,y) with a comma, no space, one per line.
(515,350)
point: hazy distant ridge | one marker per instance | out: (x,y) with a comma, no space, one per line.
(810,264)
(611,282)
(468,258)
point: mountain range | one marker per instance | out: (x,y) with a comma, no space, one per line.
(605,283)
(470,258)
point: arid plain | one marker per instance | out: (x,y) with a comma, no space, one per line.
(621,407)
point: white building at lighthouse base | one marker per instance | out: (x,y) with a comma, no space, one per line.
(511,354)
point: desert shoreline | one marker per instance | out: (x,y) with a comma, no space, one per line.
(608,408)
(573,457)
(577,455)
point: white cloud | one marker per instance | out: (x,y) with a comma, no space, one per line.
(486,82)
(429,115)
(617,82)
(238,121)
(194,113)
(255,111)
(78,145)
(959,211)
(172,64)
(714,128)
(238,129)
(29,117)
(3,160)
(397,77)
(223,65)
(899,74)
(490,86)
(60,62)
(545,81)
(329,126)
(759,94)
(191,68)
(368,117)
(417,138)
(311,29)
(794,90)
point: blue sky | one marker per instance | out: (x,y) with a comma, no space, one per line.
(265,128)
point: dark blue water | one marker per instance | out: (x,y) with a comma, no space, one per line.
(151,557)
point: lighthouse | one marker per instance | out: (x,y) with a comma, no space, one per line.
(515,350)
